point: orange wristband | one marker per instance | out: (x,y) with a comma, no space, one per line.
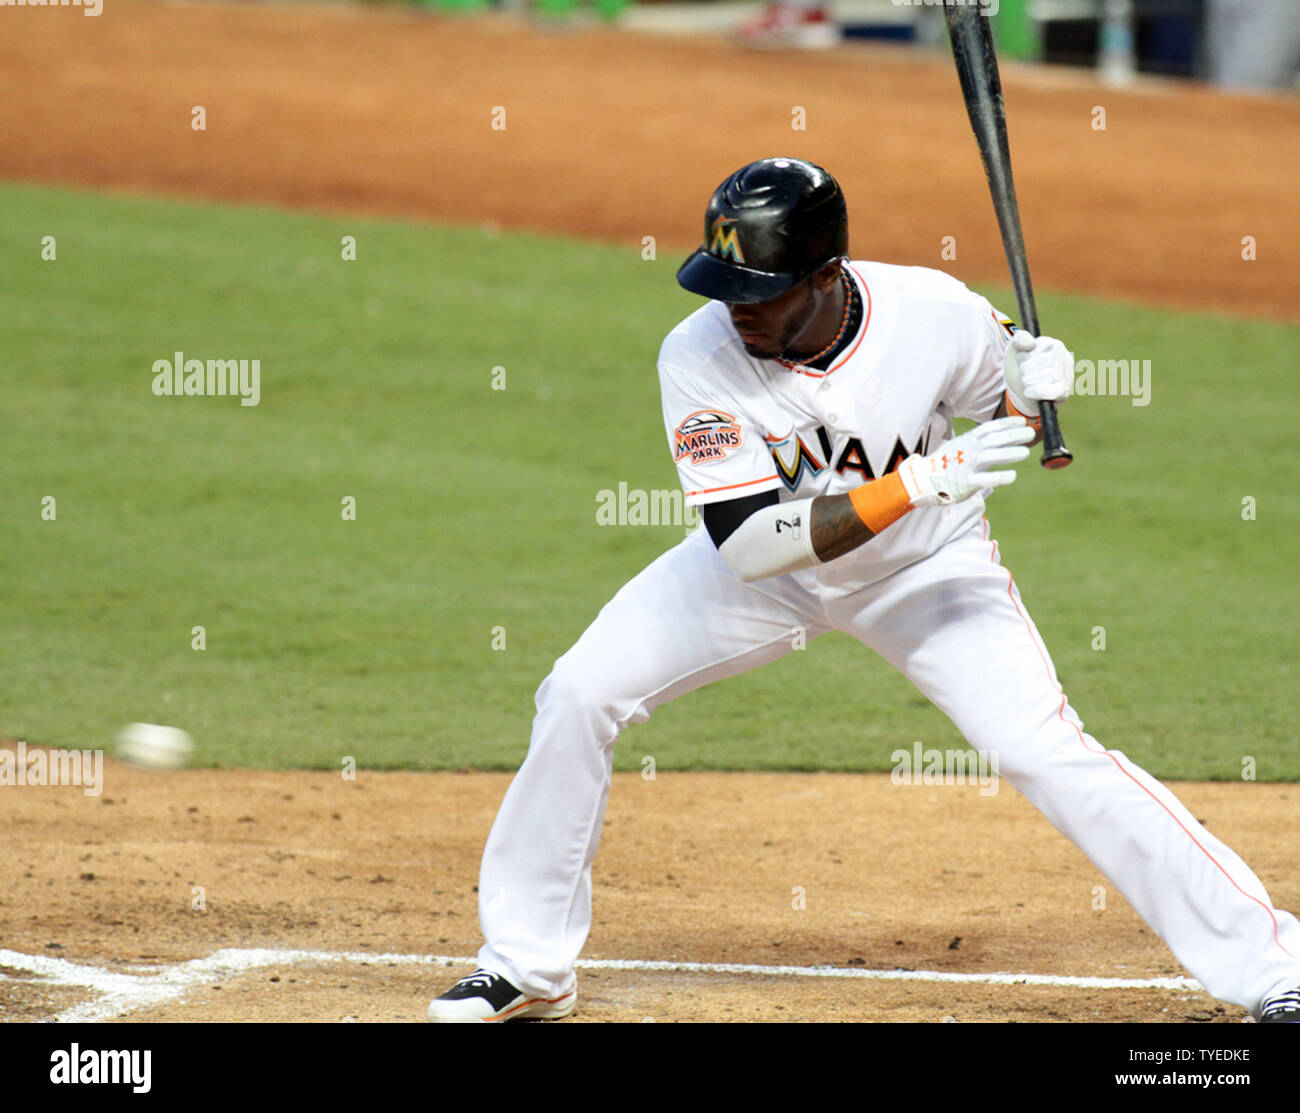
(881,502)
(1035,420)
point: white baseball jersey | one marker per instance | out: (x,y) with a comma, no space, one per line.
(954,624)
(927,350)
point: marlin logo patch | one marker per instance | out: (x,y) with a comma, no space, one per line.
(706,436)
(794,460)
(723,241)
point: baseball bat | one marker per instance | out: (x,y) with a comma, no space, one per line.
(981,86)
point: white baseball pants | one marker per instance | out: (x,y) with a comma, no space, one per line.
(954,625)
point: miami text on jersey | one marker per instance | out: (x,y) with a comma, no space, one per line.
(794,459)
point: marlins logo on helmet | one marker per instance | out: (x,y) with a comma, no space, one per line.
(723,241)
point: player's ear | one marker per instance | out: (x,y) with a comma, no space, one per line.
(826,278)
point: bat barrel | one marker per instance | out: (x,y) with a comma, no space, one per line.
(981,86)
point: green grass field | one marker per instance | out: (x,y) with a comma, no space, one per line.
(475,508)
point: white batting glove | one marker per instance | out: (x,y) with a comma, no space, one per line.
(1037,369)
(961,467)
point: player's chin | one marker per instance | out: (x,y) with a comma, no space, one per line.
(760,349)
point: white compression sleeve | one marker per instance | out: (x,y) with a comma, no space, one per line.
(771,541)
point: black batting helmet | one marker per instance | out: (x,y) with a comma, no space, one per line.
(768,227)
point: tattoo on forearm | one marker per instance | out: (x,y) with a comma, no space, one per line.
(836,527)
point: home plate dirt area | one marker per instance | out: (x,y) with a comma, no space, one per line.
(301,896)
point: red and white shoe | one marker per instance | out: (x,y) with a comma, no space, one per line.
(791,26)
(487,998)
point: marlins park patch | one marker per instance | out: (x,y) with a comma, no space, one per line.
(706,436)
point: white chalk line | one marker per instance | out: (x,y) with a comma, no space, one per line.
(138,987)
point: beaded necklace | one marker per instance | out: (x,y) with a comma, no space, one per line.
(844,324)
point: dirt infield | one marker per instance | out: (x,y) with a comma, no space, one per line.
(618,136)
(122,905)
(924,882)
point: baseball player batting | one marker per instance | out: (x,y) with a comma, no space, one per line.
(809,410)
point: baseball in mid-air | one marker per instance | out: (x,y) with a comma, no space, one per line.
(151,746)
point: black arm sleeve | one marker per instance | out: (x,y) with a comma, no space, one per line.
(722,519)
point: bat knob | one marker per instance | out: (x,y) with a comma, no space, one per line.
(1058,458)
